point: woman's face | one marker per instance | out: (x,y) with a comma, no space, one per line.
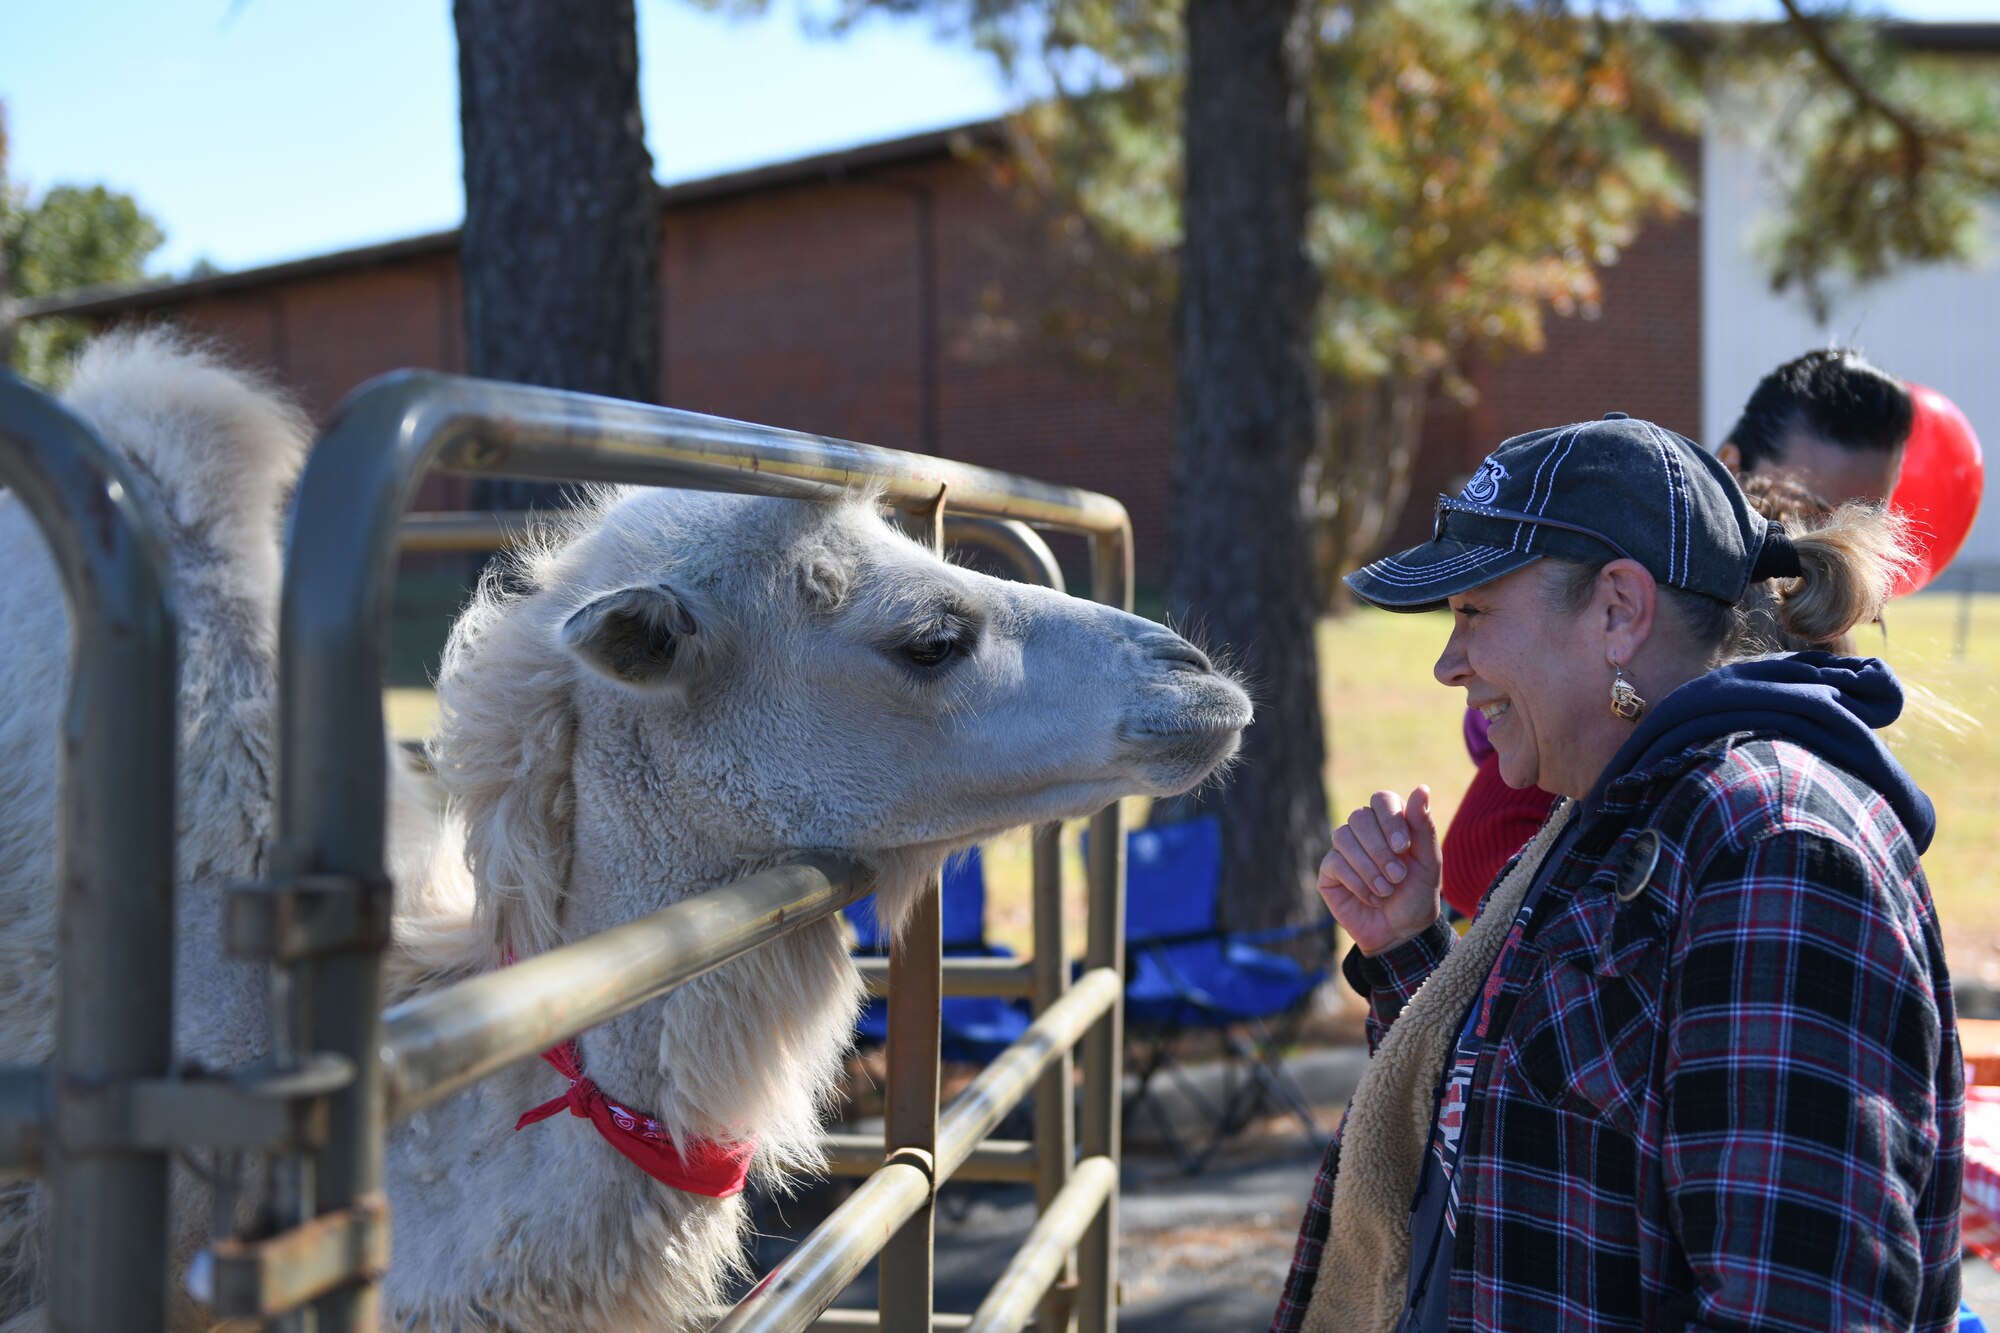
(1538,675)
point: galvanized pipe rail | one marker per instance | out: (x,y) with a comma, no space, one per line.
(798,1290)
(115,866)
(867,1319)
(1008,978)
(1013,1160)
(333,795)
(978,1110)
(435,1044)
(1012,1301)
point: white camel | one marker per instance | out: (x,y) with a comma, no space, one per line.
(671,690)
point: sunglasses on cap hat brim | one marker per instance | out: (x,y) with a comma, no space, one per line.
(1446,506)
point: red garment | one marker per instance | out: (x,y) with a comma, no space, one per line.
(718,1170)
(1493,822)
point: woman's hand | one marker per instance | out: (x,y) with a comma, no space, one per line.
(1381,879)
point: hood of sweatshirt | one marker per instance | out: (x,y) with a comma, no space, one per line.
(1830,705)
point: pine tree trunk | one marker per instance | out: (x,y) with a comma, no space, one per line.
(560,254)
(1361,478)
(1240,567)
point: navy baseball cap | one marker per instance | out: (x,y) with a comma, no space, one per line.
(1591,491)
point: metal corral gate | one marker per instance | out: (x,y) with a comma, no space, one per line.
(100,1123)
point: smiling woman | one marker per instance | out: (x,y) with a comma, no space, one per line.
(1722,939)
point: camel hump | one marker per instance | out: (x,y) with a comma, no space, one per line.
(218,445)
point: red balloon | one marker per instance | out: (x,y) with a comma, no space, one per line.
(1943,477)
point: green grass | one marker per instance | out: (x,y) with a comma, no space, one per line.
(1946,740)
(1389,724)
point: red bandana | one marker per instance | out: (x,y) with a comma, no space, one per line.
(709,1167)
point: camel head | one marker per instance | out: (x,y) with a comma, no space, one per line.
(696,683)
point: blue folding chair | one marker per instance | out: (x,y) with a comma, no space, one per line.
(1185,973)
(971,1028)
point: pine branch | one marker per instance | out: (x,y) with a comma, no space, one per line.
(1917,137)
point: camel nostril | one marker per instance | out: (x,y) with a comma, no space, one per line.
(1180,653)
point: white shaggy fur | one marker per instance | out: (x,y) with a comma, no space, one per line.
(670,690)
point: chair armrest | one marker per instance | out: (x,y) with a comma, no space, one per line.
(1280,934)
(1168,941)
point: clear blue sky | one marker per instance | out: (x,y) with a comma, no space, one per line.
(265,130)
(274,129)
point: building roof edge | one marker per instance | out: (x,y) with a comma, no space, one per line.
(831,166)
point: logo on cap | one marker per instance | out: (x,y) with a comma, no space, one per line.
(1485,483)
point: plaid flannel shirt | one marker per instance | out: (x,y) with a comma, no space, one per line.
(1733,1102)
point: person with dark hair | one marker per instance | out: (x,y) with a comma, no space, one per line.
(1695,1064)
(1831,420)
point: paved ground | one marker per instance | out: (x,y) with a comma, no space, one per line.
(1982,1290)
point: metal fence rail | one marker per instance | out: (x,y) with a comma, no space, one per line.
(435,1044)
(329,864)
(798,1290)
(71,1122)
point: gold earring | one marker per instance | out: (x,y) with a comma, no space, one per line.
(1625,701)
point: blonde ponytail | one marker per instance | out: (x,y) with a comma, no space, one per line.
(1851,558)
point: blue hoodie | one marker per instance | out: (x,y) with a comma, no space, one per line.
(1827,704)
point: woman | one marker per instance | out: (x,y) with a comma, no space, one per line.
(1694,1065)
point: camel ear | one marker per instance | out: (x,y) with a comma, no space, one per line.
(636,636)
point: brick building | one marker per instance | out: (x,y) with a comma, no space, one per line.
(894,294)
(889,294)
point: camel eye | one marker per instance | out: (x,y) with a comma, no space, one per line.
(929,647)
(932,652)
(936,645)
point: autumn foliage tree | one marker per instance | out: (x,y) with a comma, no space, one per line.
(1470,171)
(1474,166)
(1447,183)
(1476,169)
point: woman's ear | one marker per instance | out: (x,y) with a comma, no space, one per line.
(1627,601)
